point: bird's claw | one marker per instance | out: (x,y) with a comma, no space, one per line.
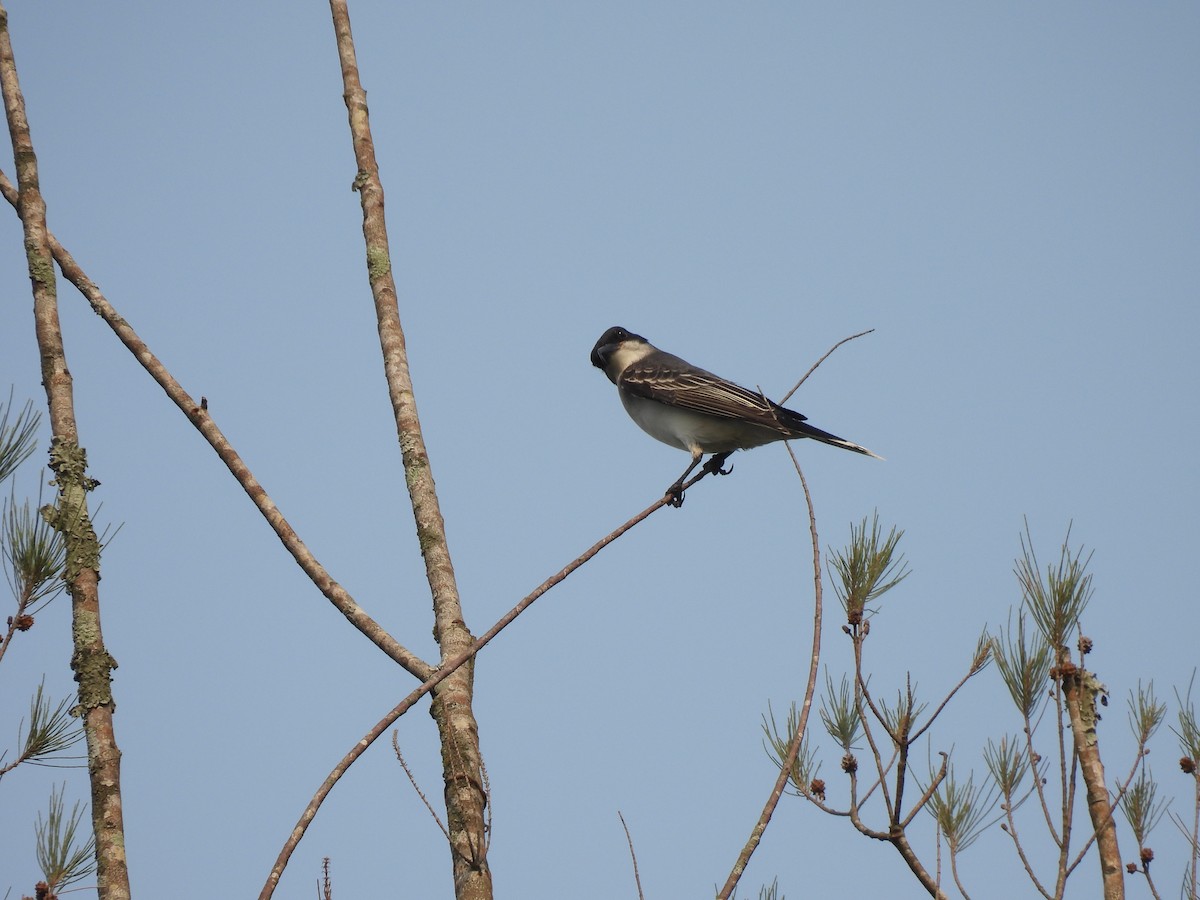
(674,495)
(714,466)
(715,463)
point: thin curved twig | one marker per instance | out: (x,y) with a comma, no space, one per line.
(412,779)
(880,779)
(793,753)
(929,792)
(916,735)
(636,877)
(1033,756)
(954,873)
(1011,831)
(813,368)
(861,694)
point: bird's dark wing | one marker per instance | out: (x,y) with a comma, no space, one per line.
(675,382)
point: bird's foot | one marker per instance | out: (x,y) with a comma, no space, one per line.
(714,464)
(674,494)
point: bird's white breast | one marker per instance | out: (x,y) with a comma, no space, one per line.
(693,431)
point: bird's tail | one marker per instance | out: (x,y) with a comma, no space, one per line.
(803,429)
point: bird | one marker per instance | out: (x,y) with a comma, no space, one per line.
(691,408)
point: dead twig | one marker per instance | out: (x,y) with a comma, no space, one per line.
(325,885)
(412,779)
(793,753)
(636,877)
(813,368)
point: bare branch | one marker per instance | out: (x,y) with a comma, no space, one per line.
(929,792)
(813,368)
(90,660)
(453,701)
(862,694)
(636,877)
(199,416)
(974,670)
(416,787)
(785,769)
(954,872)
(438,675)
(1011,831)
(880,776)
(899,840)
(325,887)
(855,813)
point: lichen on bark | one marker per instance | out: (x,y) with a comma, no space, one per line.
(70,517)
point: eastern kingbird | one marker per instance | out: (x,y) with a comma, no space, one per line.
(695,410)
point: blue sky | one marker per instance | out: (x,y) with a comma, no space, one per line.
(1008,194)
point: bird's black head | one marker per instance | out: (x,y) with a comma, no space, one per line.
(609,341)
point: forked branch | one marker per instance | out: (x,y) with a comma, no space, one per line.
(439,675)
